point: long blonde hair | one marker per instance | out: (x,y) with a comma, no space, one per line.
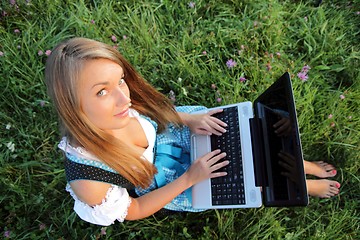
(63,68)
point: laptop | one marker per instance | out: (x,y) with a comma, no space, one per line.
(255,149)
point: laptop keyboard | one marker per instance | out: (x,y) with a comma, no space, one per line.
(229,190)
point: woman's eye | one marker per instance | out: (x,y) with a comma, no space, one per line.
(102,92)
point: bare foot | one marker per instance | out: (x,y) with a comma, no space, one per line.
(320,169)
(322,188)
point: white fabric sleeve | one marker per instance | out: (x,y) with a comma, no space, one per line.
(113,207)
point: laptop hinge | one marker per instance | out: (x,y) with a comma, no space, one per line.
(258,151)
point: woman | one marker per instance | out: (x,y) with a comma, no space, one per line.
(114,125)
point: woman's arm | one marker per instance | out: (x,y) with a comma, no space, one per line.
(93,192)
(204,124)
(201,169)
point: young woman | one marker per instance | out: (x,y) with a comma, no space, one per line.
(126,145)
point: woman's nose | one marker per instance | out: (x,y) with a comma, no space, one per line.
(122,97)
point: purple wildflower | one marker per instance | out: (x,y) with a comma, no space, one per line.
(231,63)
(42,226)
(113,38)
(268,66)
(330,116)
(204,53)
(242,79)
(303,76)
(92,21)
(1,53)
(172,96)
(12,2)
(7,234)
(218,99)
(342,97)
(305,68)
(103,231)
(16,31)
(40,53)
(47,52)
(191,4)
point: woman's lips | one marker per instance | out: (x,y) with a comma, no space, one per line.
(123,113)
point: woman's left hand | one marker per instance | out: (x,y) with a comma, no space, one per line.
(204,124)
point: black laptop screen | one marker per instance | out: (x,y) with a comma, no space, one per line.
(282,170)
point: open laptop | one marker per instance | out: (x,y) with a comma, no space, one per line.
(255,176)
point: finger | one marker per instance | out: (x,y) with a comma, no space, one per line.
(218,121)
(218,174)
(279,123)
(214,111)
(219,165)
(212,161)
(285,166)
(211,154)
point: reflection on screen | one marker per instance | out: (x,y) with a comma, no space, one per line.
(283,158)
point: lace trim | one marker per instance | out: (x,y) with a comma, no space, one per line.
(107,200)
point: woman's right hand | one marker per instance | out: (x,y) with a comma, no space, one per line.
(205,167)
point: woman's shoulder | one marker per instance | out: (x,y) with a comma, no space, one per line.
(89,191)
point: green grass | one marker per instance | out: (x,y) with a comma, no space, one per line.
(165,41)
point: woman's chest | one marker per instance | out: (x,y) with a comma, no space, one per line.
(133,134)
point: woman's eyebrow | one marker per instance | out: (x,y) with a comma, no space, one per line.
(100,83)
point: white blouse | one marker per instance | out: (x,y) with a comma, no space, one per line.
(117,200)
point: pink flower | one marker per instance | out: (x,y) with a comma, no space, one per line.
(42,226)
(342,97)
(47,52)
(218,99)
(103,231)
(1,53)
(204,53)
(191,4)
(242,47)
(303,76)
(242,79)
(305,68)
(124,37)
(92,21)
(332,124)
(278,54)
(40,53)
(268,66)
(213,86)
(330,116)
(113,38)
(231,63)
(16,31)
(7,234)
(358,12)
(172,96)
(12,2)
(256,23)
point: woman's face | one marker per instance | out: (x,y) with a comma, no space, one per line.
(104,94)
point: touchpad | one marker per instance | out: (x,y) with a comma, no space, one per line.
(200,145)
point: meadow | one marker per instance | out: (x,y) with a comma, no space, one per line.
(197,53)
